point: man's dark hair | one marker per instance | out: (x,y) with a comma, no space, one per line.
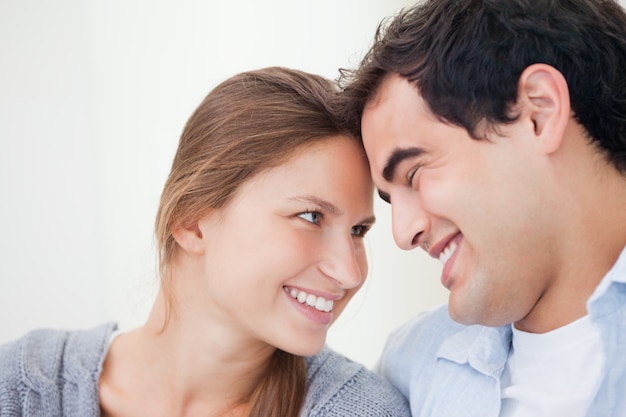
(466,57)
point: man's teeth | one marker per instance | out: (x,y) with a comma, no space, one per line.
(447,253)
(318,303)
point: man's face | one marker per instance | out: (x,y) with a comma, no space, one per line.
(476,205)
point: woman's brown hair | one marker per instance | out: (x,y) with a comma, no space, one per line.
(249,123)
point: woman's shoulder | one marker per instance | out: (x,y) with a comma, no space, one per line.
(43,360)
(42,347)
(339,386)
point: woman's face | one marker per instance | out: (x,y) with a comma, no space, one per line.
(283,259)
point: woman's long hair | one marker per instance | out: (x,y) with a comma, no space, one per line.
(247,124)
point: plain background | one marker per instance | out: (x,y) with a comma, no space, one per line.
(93,97)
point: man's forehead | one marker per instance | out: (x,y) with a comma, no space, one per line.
(385,90)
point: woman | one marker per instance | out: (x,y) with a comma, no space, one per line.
(260,235)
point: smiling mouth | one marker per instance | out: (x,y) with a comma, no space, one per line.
(318,303)
(447,252)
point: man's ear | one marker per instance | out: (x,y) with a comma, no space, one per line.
(543,96)
(190,239)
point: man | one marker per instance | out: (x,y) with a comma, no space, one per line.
(497,131)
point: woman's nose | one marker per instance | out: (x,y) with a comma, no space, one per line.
(345,263)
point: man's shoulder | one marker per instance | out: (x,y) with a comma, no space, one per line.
(424,332)
(339,386)
(413,347)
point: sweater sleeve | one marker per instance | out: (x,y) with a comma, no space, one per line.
(53,372)
(11,388)
(340,387)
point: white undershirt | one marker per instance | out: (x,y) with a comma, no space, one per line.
(552,374)
(114,334)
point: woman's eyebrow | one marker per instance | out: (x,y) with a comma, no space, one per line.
(396,157)
(328,207)
(325,205)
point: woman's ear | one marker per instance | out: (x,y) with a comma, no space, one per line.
(190,239)
(543,97)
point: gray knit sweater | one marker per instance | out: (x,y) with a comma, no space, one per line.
(55,373)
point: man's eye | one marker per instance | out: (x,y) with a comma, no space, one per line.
(311,216)
(411,176)
(360,230)
(384,196)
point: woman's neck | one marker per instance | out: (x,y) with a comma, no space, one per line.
(187,366)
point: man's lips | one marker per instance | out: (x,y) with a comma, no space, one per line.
(444,245)
(446,251)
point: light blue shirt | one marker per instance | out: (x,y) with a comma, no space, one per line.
(446,369)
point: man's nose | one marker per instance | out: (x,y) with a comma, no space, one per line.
(409,220)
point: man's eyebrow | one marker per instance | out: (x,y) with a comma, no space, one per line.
(396,157)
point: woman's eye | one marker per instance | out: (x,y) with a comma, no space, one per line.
(311,216)
(360,230)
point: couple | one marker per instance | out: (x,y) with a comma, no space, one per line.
(497,132)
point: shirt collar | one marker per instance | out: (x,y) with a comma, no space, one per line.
(486,349)
(483,348)
(603,301)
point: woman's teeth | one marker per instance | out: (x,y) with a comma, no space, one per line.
(318,303)
(447,253)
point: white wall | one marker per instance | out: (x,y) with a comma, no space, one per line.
(93,97)
(50,244)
